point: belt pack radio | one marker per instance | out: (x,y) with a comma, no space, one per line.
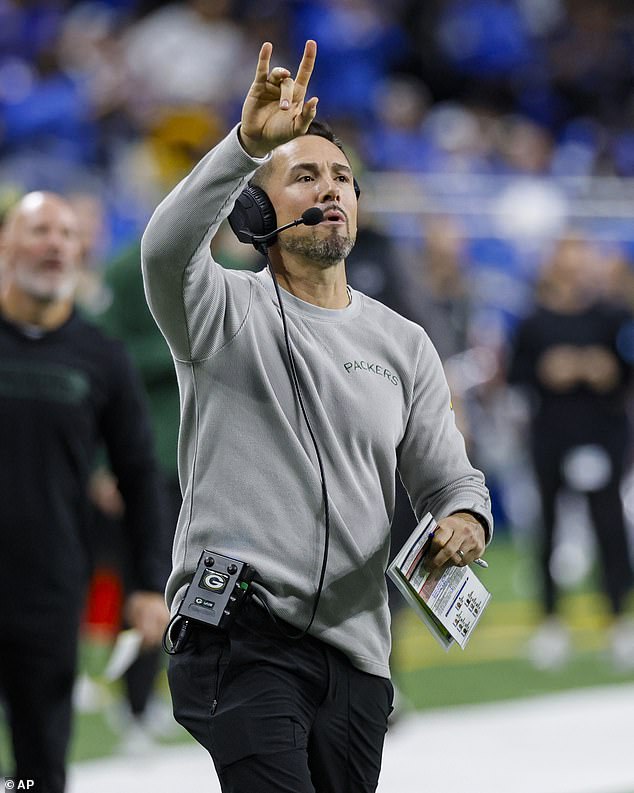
(218,589)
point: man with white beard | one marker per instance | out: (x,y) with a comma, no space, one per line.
(65,388)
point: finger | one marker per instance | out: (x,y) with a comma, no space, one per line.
(442,548)
(306,65)
(462,557)
(286,93)
(440,537)
(309,111)
(264,61)
(278,74)
(306,117)
(447,555)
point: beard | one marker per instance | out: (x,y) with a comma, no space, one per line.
(44,289)
(324,251)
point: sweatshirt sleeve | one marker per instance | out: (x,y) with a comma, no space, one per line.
(197,304)
(432,459)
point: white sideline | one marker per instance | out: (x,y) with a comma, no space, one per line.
(574,742)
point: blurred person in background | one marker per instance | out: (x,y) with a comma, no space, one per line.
(523,147)
(438,296)
(438,292)
(396,142)
(185,53)
(442,296)
(588,58)
(574,353)
(64,388)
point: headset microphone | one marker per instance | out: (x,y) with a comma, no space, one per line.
(311,217)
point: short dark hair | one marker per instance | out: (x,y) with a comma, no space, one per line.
(324,130)
(320,128)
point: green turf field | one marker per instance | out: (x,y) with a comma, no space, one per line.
(492,667)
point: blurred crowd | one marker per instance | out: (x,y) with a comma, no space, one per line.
(486,135)
(510,117)
(104,98)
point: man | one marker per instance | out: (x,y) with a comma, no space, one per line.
(571,355)
(64,388)
(277,713)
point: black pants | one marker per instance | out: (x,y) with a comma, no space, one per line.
(37,672)
(606,510)
(280,716)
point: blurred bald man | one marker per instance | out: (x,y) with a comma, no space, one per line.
(65,388)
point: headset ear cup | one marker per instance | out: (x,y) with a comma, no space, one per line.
(252,214)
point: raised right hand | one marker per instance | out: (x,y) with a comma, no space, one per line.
(274,110)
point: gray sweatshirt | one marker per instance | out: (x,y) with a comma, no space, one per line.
(376,395)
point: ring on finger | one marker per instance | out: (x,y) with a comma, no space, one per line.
(460,554)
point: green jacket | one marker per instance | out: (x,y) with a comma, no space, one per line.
(128,318)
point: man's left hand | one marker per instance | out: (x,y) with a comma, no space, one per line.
(458,540)
(147,612)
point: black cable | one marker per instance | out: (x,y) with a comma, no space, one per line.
(174,646)
(322,473)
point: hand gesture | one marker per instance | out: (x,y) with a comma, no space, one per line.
(274,111)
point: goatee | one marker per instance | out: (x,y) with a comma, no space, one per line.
(325,251)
